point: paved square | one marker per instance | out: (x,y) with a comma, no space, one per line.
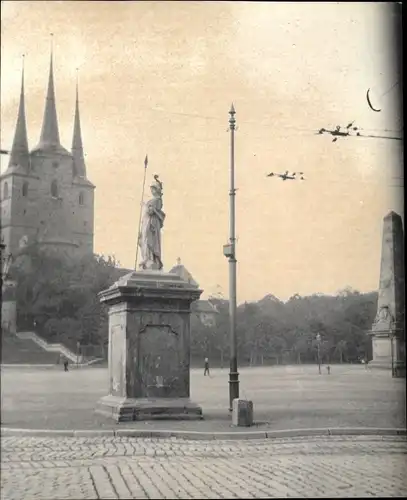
(93,468)
(284,397)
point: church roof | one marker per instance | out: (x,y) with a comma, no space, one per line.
(50,131)
(19,155)
(77,146)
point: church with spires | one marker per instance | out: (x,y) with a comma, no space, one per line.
(46,196)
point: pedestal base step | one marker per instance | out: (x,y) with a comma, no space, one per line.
(399,367)
(130,409)
(380,364)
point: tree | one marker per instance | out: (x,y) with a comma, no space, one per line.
(276,345)
(300,347)
(340,349)
(200,335)
(58,295)
(222,327)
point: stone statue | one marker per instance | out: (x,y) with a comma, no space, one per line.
(384,316)
(152,221)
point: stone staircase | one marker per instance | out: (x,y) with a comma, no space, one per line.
(46,347)
(16,351)
(57,348)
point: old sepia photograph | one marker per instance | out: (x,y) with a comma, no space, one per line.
(202,250)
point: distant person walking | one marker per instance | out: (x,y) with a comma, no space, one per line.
(206,371)
(65,365)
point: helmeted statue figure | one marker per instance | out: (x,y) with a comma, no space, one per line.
(152,222)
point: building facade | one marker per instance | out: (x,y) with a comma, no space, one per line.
(46,196)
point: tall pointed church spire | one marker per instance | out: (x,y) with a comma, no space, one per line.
(49,131)
(77,146)
(19,154)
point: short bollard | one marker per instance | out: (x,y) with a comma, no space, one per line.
(242,413)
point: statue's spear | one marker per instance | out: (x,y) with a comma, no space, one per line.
(141,209)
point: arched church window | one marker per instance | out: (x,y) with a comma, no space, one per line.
(81,199)
(25,189)
(54,189)
(5,191)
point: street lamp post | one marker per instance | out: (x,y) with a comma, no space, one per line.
(230,252)
(319,352)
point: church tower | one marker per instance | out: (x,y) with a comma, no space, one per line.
(46,196)
(18,185)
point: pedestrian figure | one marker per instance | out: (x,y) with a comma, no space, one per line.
(65,365)
(328,369)
(206,371)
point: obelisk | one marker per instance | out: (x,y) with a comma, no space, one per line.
(388,332)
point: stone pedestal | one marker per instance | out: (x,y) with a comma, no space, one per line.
(242,413)
(149,348)
(388,332)
(388,352)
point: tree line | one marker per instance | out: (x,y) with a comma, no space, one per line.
(274,332)
(57,296)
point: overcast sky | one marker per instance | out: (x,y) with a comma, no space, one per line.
(159,78)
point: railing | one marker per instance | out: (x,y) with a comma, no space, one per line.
(50,347)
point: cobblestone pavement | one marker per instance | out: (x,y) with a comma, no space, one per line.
(101,467)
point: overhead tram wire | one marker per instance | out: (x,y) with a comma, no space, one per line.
(359,129)
(394,131)
(216,118)
(401,130)
(390,89)
(369,136)
(295,130)
(342,134)
(381,95)
(354,180)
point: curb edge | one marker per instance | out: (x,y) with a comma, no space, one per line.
(204,435)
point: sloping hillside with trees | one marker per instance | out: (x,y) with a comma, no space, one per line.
(58,298)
